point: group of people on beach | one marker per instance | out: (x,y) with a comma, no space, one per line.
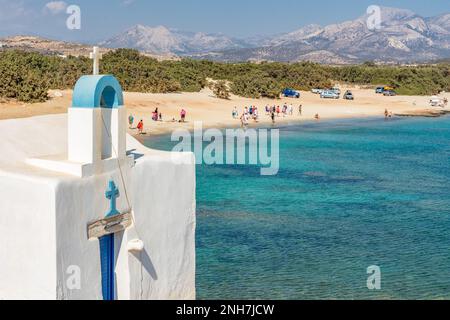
(252,113)
(285,110)
(156,116)
(249,113)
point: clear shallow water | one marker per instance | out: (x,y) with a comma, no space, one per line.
(349,194)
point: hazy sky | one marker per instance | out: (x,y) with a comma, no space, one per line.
(101,19)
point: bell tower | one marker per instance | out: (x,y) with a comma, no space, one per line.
(96,120)
(97,132)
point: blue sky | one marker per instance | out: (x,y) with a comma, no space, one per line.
(239,18)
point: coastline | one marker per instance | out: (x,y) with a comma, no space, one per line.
(216,113)
(258,125)
(307,123)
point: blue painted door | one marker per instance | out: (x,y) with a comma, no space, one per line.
(107,264)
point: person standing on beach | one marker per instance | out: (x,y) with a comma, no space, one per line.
(244,120)
(300,110)
(183,115)
(386,114)
(131,121)
(140,126)
(255,114)
(272,115)
(235,113)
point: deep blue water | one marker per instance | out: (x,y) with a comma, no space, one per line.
(349,194)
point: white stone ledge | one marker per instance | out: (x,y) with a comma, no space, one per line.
(82,170)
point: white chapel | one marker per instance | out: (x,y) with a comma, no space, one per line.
(87,212)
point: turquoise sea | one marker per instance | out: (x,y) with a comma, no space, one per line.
(350,194)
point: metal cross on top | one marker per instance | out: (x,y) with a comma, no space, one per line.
(96,56)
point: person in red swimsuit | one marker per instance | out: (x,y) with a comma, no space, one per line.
(140,127)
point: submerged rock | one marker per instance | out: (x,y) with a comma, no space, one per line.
(428,113)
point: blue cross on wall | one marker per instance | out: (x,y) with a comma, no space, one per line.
(107,252)
(112,194)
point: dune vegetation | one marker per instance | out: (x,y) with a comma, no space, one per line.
(27,76)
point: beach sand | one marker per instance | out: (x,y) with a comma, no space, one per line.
(212,112)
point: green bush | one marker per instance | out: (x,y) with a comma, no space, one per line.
(256,86)
(22,77)
(220,90)
(27,76)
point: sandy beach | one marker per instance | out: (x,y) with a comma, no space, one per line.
(213,112)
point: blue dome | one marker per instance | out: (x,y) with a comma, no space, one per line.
(102,91)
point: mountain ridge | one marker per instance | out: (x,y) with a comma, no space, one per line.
(163,40)
(404,36)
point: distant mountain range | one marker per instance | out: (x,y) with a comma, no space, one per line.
(404,37)
(161,40)
(60,48)
(45,46)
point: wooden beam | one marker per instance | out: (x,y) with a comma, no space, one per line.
(109,226)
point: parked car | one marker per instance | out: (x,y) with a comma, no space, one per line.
(349,96)
(336,90)
(389,93)
(379,90)
(435,101)
(329,95)
(317,91)
(383,89)
(291,93)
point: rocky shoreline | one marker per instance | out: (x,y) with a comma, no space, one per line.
(428,113)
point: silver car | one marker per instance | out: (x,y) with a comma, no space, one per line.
(329,95)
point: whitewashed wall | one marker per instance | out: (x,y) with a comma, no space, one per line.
(44,216)
(163,195)
(27,238)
